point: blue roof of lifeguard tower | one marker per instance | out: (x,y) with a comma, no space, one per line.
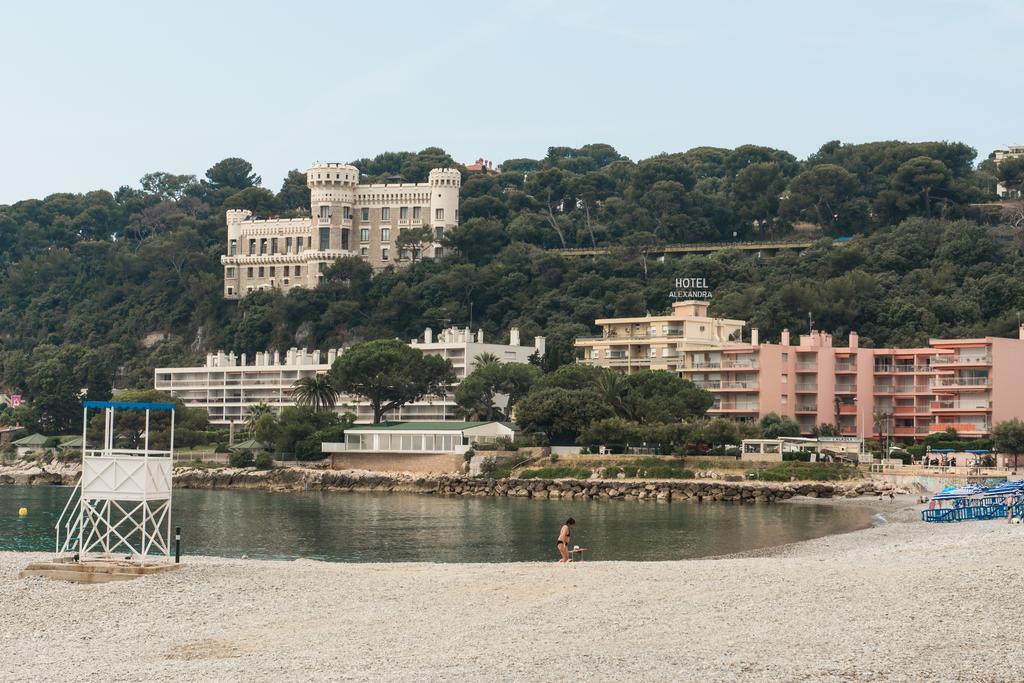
(137,405)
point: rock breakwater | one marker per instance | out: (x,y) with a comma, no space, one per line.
(309,479)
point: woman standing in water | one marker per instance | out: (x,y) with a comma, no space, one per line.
(563,540)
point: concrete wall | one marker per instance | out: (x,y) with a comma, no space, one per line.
(399,462)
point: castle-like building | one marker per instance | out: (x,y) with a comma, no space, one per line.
(346,219)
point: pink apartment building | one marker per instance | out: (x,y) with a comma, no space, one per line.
(907,393)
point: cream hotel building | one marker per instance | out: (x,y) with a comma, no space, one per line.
(962,384)
(347,219)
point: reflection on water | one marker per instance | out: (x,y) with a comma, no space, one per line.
(374,527)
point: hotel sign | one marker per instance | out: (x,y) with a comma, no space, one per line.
(691,288)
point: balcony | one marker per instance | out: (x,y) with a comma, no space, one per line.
(885,389)
(846,388)
(807,409)
(806,366)
(736,408)
(748,386)
(960,427)
(908,410)
(957,382)
(846,367)
(708,384)
(978,359)
(961,406)
(806,388)
(847,408)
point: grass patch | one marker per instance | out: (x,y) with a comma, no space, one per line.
(807,471)
(556,473)
(649,468)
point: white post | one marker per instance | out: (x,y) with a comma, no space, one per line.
(145,450)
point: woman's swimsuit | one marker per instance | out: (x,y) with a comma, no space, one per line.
(566,541)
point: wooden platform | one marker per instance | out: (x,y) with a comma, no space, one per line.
(94,571)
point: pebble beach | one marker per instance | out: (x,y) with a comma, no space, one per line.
(897,602)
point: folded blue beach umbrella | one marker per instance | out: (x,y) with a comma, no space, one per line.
(950,493)
(1005,488)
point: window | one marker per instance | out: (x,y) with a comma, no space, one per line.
(325,239)
(384,252)
(385,213)
(248,290)
(231,290)
(248,271)
(438,252)
(233,248)
(321,267)
(364,252)
(439,232)
(439,214)
(456,215)
(263,246)
(325,212)
(286,269)
(385,234)
(403,213)
(346,213)
(364,235)
(298,271)
(287,245)
(416,212)
(344,239)
(230,271)
(273,245)
(261,271)
(365,214)
(252,247)
(273,271)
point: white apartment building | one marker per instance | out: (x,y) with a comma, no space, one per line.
(347,219)
(1008,153)
(228,385)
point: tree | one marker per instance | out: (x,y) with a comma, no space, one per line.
(773,426)
(389,374)
(167,186)
(1011,174)
(561,414)
(294,193)
(254,414)
(661,396)
(413,239)
(316,392)
(721,432)
(301,431)
(232,172)
(823,188)
(479,393)
(920,176)
(1008,437)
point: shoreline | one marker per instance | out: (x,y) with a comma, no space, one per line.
(310,479)
(864,605)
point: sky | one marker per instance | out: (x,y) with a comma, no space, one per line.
(97,94)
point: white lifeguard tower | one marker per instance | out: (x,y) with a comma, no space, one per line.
(117,522)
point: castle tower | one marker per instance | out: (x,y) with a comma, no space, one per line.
(444,200)
(331,196)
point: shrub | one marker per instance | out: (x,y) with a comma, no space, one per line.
(263,461)
(554,457)
(492,469)
(503,443)
(556,473)
(486,446)
(796,457)
(221,447)
(241,459)
(734,451)
(807,471)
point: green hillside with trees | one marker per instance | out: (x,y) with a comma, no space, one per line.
(99,288)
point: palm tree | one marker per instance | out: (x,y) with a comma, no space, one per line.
(485,359)
(611,387)
(316,392)
(255,413)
